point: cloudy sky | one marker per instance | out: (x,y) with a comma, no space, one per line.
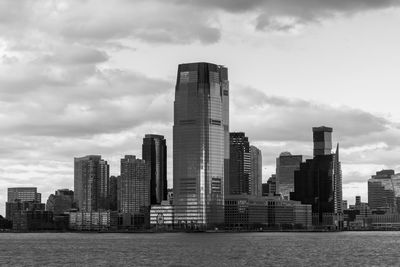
(84,77)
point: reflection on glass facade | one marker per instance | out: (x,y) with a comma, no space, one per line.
(319,181)
(239,164)
(381,190)
(154,152)
(200,143)
(286,165)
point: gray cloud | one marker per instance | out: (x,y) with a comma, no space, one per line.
(281,119)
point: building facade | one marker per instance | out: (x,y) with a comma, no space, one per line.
(286,165)
(134,186)
(239,164)
(23,194)
(319,181)
(154,152)
(200,143)
(381,195)
(255,171)
(91,183)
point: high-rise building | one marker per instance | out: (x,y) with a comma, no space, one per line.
(91,183)
(200,143)
(319,181)
(61,201)
(239,164)
(154,152)
(381,195)
(255,171)
(114,193)
(286,165)
(134,186)
(23,194)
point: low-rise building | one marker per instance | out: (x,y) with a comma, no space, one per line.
(162,216)
(93,221)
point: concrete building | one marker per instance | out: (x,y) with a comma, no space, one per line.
(23,194)
(200,143)
(91,183)
(93,221)
(255,171)
(33,220)
(255,213)
(154,152)
(381,194)
(162,216)
(134,186)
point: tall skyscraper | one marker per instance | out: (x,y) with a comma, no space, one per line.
(239,165)
(91,183)
(200,143)
(154,152)
(319,181)
(255,171)
(134,186)
(286,165)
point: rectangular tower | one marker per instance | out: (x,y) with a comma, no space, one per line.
(255,171)
(239,164)
(200,143)
(154,152)
(91,183)
(134,189)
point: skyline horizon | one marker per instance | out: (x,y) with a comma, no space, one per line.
(76,78)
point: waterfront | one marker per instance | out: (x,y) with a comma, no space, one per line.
(201,249)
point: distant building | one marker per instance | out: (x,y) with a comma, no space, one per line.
(319,181)
(255,171)
(114,193)
(22,198)
(286,165)
(345,205)
(134,186)
(23,194)
(14,207)
(91,183)
(154,152)
(381,193)
(61,201)
(33,220)
(170,196)
(239,164)
(162,216)
(93,221)
(270,187)
(244,212)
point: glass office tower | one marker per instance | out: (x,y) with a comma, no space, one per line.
(154,152)
(200,144)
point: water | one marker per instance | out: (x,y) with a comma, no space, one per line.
(201,249)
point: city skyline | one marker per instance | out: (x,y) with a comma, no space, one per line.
(71,91)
